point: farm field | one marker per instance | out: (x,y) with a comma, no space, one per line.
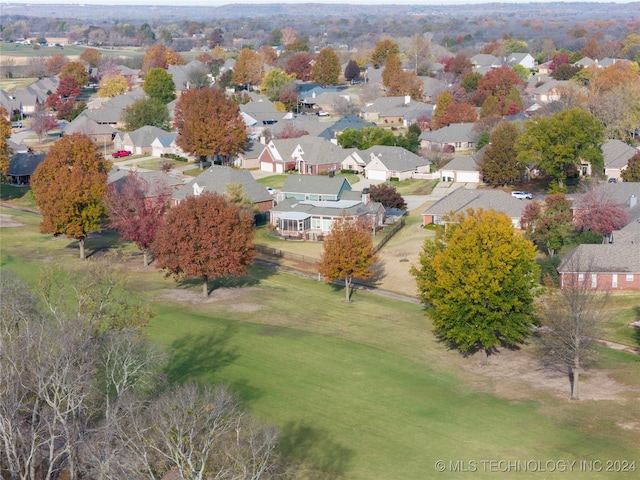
(363,390)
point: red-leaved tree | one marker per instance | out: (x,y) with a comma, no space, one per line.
(595,210)
(136,209)
(290,130)
(205,237)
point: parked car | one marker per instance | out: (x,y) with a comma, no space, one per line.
(522,195)
(322,113)
(271,191)
(121,153)
(16,125)
(613,180)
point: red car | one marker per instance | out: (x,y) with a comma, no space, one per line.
(121,153)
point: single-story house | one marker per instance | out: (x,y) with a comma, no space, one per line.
(385,162)
(101,134)
(462,199)
(217,178)
(460,136)
(394,110)
(308,155)
(308,205)
(462,168)
(610,266)
(249,158)
(616,155)
(139,141)
(549,91)
(22,166)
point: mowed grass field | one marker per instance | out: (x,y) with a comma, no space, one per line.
(360,390)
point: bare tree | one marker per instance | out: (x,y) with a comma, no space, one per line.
(572,318)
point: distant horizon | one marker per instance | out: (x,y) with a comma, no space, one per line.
(219,3)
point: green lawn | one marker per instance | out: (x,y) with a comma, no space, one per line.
(413,186)
(273,181)
(360,390)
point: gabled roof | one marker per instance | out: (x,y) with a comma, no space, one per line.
(319,151)
(155,179)
(262,111)
(585,62)
(394,158)
(456,132)
(125,99)
(549,85)
(217,177)
(84,124)
(143,136)
(25,163)
(327,208)
(465,163)
(461,199)
(617,153)
(315,184)
(126,71)
(307,123)
(166,140)
(353,122)
(484,59)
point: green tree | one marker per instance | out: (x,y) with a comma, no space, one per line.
(205,237)
(352,71)
(632,172)
(69,187)
(560,143)
(275,82)
(383,49)
(159,84)
(347,253)
(470,82)
(5,149)
(326,70)
(499,164)
(477,278)
(550,224)
(146,111)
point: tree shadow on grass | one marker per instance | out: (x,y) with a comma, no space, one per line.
(254,277)
(197,355)
(313,453)
(636,331)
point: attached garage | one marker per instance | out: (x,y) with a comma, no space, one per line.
(462,168)
(377,175)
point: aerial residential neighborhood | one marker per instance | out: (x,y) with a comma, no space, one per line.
(319,241)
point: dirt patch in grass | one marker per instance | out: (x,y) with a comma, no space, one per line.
(7,220)
(518,374)
(218,295)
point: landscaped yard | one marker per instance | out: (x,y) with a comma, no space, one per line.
(363,390)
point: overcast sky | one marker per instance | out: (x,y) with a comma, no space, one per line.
(222,2)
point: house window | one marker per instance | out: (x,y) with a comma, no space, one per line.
(581,277)
(458,145)
(614,281)
(594,280)
(629,278)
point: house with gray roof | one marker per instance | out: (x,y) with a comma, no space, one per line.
(395,110)
(549,91)
(217,178)
(22,166)
(352,122)
(181,74)
(462,168)
(308,206)
(616,155)
(460,136)
(386,162)
(308,155)
(462,199)
(610,266)
(85,125)
(139,141)
(525,60)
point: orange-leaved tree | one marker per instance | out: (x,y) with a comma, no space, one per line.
(69,187)
(348,252)
(209,124)
(205,237)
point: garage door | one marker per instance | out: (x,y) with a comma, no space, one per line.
(468,177)
(279,168)
(377,175)
(266,166)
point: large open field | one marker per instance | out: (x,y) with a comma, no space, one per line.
(364,390)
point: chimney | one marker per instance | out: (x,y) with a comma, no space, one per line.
(632,201)
(366,196)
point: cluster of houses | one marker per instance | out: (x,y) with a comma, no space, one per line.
(314,197)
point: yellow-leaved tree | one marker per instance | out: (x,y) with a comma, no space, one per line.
(478,278)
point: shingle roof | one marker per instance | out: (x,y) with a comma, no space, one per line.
(462,163)
(462,198)
(143,136)
(395,158)
(84,124)
(315,184)
(327,208)
(456,132)
(353,122)
(25,163)
(617,153)
(217,177)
